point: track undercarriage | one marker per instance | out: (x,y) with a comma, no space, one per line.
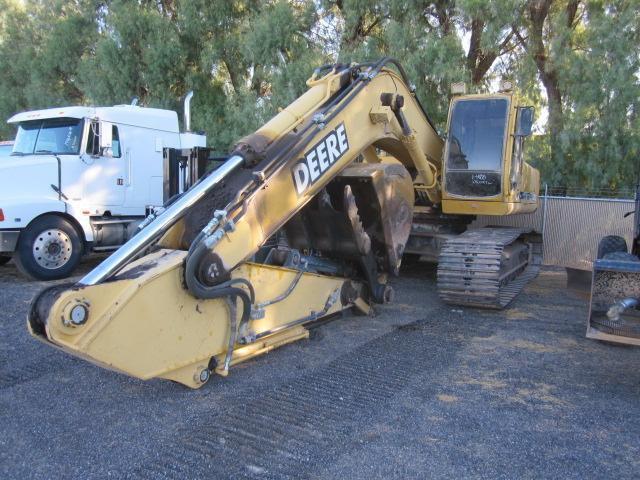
(477,267)
(487,267)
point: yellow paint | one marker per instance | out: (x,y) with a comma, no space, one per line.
(134,323)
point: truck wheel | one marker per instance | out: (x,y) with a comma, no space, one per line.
(4,259)
(610,244)
(48,249)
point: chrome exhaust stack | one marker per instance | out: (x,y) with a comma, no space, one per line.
(187,111)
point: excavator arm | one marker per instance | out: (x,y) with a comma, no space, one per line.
(309,216)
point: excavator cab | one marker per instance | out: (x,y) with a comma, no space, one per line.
(484,172)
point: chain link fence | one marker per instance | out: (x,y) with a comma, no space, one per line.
(572,222)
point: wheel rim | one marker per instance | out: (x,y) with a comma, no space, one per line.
(52,249)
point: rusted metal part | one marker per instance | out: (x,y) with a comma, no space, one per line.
(369,209)
(252,148)
(394,194)
(363,241)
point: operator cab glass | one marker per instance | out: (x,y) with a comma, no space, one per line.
(61,136)
(475,147)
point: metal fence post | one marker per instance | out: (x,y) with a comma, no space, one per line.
(544,209)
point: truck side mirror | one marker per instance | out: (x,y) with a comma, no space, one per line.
(524,123)
(106,137)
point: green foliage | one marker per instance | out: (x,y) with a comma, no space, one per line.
(247,58)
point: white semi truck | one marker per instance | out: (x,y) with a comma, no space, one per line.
(82,179)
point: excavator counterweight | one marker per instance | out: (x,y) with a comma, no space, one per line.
(310,215)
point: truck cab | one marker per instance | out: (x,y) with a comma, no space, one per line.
(82,179)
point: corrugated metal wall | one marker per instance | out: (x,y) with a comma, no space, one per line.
(572,227)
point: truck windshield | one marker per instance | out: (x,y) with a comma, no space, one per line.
(475,144)
(55,135)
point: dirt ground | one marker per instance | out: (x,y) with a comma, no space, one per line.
(420,390)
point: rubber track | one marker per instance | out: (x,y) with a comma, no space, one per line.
(469,268)
(300,425)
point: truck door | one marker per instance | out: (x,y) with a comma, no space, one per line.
(105,171)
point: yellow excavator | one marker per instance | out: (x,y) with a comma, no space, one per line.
(310,215)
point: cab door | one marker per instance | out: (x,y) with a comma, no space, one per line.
(105,171)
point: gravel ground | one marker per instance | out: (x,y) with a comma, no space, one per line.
(420,390)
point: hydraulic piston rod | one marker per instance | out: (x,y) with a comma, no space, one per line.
(160,224)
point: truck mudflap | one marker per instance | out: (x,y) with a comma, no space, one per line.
(8,240)
(613,311)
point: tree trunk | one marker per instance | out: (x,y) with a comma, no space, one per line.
(538,14)
(478,61)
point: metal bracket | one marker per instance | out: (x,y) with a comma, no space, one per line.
(213,234)
(155,213)
(319,119)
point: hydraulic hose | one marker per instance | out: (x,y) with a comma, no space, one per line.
(200,290)
(225,290)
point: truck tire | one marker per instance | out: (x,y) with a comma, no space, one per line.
(4,259)
(48,249)
(610,244)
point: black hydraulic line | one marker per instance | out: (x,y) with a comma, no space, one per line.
(403,74)
(200,290)
(224,290)
(233,332)
(246,283)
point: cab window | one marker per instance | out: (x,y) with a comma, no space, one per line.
(93,140)
(115,143)
(475,147)
(58,136)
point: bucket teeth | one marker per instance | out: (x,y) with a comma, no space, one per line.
(363,241)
